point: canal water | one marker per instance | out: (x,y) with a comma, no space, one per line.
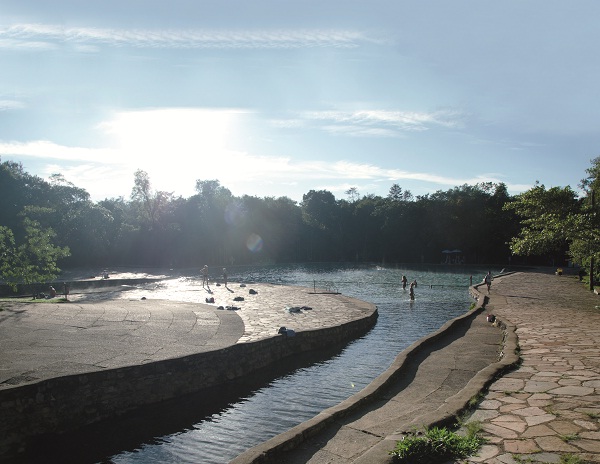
(216,426)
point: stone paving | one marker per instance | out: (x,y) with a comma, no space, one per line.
(97,331)
(264,313)
(548,408)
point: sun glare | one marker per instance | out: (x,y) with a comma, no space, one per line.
(174,145)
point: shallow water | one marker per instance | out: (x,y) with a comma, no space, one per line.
(256,412)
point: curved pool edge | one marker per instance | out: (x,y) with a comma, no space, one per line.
(67,402)
(447,414)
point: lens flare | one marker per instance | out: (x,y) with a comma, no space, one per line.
(254,243)
(234,214)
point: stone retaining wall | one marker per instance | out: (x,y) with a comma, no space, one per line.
(66,403)
(272,450)
(23,289)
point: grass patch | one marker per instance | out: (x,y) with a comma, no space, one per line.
(570,437)
(551,410)
(475,400)
(521,460)
(564,459)
(437,445)
(571,459)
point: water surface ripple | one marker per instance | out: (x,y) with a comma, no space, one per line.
(265,410)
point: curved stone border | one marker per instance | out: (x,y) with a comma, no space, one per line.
(447,414)
(457,404)
(61,404)
(24,289)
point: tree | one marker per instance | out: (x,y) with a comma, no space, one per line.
(556,220)
(397,194)
(587,248)
(17,190)
(319,208)
(321,213)
(352,194)
(34,260)
(213,201)
(545,218)
(143,196)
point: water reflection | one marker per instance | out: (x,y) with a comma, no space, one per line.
(154,425)
(256,410)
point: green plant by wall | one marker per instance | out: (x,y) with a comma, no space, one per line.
(571,459)
(436,445)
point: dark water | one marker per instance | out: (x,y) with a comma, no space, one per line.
(217,426)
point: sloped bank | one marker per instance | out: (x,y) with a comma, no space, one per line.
(275,449)
(62,404)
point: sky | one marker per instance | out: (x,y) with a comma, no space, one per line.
(279,97)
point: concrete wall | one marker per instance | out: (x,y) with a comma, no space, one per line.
(74,286)
(67,403)
(271,451)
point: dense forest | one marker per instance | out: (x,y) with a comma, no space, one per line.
(157,228)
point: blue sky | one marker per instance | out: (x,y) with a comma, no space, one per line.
(275,98)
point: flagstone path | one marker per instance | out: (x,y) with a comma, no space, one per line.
(548,408)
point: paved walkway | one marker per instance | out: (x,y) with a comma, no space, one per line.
(51,339)
(545,410)
(430,381)
(550,406)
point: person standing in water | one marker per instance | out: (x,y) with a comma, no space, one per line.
(225,276)
(412,291)
(205,275)
(404,282)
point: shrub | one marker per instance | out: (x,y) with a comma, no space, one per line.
(436,445)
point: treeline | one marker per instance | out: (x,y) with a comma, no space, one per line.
(156,228)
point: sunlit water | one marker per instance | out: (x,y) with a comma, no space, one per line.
(266,410)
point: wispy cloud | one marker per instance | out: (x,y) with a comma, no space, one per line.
(177,146)
(233,168)
(374,123)
(50,150)
(35,36)
(8,104)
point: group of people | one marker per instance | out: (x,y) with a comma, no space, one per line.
(204,273)
(411,290)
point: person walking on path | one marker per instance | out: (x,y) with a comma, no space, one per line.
(488,280)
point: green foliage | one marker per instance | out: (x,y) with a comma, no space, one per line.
(34,260)
(436,445)
(550,218)
(556,221)
(571,459)
(154,228)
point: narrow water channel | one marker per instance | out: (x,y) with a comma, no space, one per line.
(216,426)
